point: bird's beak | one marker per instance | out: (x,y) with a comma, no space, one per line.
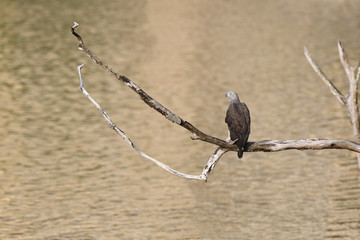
(225,95)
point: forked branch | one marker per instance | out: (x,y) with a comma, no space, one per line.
(350,99)
(203,176)
(223,146)
(265,145)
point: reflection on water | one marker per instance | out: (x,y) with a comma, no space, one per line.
(65,175)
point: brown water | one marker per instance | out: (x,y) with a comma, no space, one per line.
(65,175)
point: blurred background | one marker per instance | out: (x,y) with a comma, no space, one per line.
(65,175)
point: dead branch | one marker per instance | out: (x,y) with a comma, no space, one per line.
(151,102)
(223,146)
(302,144)
(350,99)
(340,97)
(203,176)
(265,145)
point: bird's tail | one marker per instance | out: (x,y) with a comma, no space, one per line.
(240,153)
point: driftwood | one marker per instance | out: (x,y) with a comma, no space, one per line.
(349,101)
(223,146)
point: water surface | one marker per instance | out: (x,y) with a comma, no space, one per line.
(65,175)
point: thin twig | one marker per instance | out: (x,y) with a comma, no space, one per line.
(345,61)
(323,77)
(212,161)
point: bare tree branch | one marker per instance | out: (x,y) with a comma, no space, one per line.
(349,70)
(151,102)
(323,77)
(212,162)
(266,145)
(350,101)
(123,135)
(302,144)
(352,97)
(206,171)
(223,146)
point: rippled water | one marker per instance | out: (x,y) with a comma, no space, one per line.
(65,175)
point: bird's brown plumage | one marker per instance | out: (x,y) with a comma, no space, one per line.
(238,121)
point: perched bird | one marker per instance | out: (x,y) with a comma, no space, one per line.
(238,121)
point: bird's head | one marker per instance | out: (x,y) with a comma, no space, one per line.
(232,96)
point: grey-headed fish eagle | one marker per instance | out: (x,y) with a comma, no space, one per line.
(238,121)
